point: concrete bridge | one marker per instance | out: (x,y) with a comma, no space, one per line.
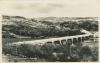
(77,39)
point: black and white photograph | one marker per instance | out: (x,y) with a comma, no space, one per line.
(49,31)
(50,39)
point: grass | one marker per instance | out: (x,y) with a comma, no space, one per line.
(28,49)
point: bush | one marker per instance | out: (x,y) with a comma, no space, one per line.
(50,52)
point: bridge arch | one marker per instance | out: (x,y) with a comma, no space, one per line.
(77,40)
(64,42)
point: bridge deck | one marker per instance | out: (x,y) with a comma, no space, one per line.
(50,39)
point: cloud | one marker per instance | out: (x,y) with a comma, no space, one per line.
(51,8)
(37,7)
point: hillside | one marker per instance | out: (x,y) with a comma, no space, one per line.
(43,27)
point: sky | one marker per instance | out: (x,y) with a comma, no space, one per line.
(47,8)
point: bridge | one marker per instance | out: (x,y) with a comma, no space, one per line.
(77,39)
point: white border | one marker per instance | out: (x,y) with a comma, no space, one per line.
(96,13)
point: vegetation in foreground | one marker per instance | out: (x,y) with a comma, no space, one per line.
(52,53)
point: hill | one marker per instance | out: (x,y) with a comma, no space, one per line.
(42,27)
